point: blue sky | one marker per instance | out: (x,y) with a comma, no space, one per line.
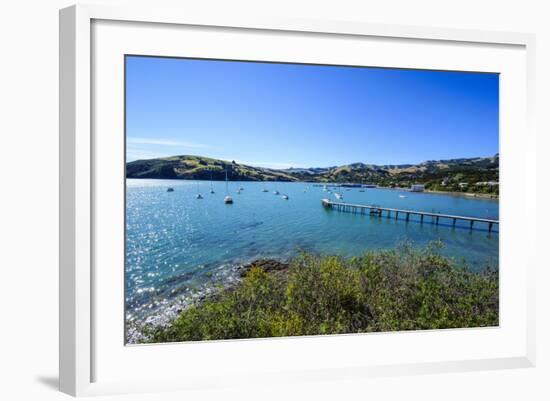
(283,115)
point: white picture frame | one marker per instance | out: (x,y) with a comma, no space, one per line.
(79,153)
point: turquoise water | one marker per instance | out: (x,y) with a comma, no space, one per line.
(177,243)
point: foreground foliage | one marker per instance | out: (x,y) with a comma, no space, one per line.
(399,289)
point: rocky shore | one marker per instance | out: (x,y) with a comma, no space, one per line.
(268,265)
(171,309)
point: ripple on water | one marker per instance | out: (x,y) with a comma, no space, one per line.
(178,246)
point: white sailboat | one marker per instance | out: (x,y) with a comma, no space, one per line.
(276,192)
(227,199)
(338,196)
(211,187)
(285,197)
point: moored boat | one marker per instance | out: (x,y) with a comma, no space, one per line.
(228,199)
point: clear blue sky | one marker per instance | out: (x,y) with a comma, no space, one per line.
(282,115)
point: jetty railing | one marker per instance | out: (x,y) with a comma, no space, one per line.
(376,210)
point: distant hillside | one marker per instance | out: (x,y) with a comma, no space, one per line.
(435,174)
(202,168)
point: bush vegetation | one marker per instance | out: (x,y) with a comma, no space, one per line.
(404,288)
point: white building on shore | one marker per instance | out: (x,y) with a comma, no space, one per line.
(417,188)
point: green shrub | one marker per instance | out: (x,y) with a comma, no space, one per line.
(399,289)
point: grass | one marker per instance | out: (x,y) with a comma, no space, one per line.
(400,289)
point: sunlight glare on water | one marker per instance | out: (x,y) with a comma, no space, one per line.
(176,242)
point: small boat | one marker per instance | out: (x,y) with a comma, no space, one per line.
(285,197)
(338,196)
(199,196)
(228,199)
(211,187)
(276,192)
(402,196)
(170,190)
(265,190)
(241,189)
(361,190)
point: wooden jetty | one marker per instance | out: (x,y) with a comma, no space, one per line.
(376,210)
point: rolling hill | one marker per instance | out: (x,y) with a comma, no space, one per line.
(435,174)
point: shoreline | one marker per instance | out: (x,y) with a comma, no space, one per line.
(270,298)
(450,193)
(465,194)
(169,310)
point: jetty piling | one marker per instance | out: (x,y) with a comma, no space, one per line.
(375,210)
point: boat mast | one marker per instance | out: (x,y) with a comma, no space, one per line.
(226,187)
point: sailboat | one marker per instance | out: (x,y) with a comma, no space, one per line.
(285,197)
(211,187)
(199,196)
(227,199)
(338,196)
(276,192)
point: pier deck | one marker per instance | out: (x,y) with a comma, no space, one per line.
(376,210)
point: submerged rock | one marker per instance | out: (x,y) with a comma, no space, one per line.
(267,265)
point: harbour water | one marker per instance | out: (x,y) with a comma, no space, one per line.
(178,245)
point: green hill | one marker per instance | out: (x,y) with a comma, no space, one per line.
(202,168)
(467,174)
